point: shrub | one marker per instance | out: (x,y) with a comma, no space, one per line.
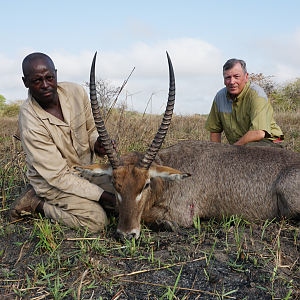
(266,82)
(11,110)
(287,97)
(2,102)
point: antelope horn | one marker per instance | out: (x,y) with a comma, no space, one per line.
(104,137)
(148,158)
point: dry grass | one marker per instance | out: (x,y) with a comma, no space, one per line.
(290,125)
(217,261)
(133,132)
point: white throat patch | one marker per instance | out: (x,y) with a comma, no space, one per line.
(138,198)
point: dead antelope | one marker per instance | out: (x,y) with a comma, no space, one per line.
(256,182)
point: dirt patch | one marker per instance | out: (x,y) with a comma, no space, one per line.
(231,259)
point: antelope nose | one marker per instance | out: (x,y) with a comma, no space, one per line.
(135,233)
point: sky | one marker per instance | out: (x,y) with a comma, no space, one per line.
(198,35)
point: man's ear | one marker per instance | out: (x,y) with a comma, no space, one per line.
(24,81)
(247,77)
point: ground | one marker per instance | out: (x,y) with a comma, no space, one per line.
(231,259)
(215,260)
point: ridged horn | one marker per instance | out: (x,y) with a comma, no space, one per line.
(148,158)
(105,140)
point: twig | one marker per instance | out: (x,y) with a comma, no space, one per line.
(83,239)
(157,269)
(41,297)
(123,85)
(117,295)
(188,295)
(21,253)
(289,282)
(92,295)
(178,288)
(150,99)
(16,137)
(80,285)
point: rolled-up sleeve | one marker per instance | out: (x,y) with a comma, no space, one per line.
(260,115)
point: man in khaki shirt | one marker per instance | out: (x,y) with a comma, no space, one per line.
(58,134)
(243,111)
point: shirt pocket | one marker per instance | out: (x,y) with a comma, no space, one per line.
(80,135)
(79,129)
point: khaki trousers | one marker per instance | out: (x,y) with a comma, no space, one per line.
(77,212)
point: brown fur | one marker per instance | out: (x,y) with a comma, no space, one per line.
(256,182)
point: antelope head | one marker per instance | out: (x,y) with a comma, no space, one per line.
(135,177)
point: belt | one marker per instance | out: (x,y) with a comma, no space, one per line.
(279,140)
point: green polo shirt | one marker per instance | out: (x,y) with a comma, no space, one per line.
(251,110)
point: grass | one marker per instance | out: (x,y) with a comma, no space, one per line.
(229,259)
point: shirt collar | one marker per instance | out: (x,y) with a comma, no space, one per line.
(63,97)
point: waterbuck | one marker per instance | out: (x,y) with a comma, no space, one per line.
(256,182)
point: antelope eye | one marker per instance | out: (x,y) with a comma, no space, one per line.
(146,185)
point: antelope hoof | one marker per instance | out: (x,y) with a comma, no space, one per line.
(164,225)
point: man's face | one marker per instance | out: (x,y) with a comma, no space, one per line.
(235,80)
(42,81)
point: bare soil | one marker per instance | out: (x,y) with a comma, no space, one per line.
(232,259)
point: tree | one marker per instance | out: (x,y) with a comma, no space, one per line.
(2,101)
(287,96)
(266,82)
(106,94)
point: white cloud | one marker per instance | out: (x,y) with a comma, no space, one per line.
(279,55)
(197,64)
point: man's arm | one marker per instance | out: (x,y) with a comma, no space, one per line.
(44,157)
(215,137)
(251,136)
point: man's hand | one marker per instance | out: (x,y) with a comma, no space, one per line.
(99,149)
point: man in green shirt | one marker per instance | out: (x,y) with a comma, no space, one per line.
(242,110)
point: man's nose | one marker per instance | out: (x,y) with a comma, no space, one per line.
(45,83)
(232,80)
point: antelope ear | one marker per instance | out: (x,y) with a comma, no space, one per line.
(167,173)
(96,170)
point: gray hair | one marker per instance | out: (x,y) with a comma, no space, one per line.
(230,63)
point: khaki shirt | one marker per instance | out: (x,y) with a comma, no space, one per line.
(54,148)
(251,110)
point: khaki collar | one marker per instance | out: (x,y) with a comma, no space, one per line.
(63,97)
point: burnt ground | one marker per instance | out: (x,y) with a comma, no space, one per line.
(232,259)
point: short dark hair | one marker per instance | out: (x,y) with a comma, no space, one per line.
(30,58)
(230,63)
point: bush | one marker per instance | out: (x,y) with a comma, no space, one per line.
(11,110)
(287,96)
(2,102)
(266,82)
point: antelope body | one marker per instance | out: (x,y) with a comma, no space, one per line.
(256,182)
